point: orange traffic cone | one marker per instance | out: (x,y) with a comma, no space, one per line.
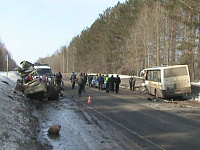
(89,100)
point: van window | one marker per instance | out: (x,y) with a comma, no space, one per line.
(174,72)
(149,74)
(154,75)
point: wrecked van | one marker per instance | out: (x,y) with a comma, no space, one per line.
(37,83)
(170,81)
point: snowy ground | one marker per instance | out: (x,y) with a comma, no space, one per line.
(17,124)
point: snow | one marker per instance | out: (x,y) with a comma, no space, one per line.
(16,120)
(13,76)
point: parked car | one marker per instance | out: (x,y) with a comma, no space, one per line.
(95,82)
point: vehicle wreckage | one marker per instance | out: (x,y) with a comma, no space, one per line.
(35,85)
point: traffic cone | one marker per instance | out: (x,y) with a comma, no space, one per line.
(89,100)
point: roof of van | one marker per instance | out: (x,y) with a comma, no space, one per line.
(42,67)
(166,67)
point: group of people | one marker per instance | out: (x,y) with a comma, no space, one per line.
(112,83)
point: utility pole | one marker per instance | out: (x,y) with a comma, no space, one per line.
(64,59)
(67,61)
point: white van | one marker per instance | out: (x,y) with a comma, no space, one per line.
(170,81)
(42,71)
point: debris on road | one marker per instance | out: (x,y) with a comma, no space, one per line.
(54,129)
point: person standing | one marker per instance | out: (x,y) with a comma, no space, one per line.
(58,78)
(80,84)
(107,83)
(73,80)
(112,82)
(117,82)
(90,77)
(131,82)
(59,81)
(100,82)
(84,81)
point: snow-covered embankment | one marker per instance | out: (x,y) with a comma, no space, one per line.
(17,124)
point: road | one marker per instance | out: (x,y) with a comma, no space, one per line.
(152,125)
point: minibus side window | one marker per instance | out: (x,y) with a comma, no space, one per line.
(154,75)
(159,76)
(148,75)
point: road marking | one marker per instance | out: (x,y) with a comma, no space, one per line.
(140,136)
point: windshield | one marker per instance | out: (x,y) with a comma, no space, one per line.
(42,71)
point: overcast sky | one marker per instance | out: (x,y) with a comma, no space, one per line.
(36,28)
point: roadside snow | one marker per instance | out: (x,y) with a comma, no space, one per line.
(16,121)
(13,76)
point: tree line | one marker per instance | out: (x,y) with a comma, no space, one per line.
(3,61)
(134,35)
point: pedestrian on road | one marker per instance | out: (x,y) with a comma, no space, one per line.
(59,81)
(90,77)
(131,82)
(80,84)
(117,82)
(84,81)
(100,82)
(112,83)
(107,83)
(73,80)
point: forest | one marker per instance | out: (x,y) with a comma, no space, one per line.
(3,61)
(134,35)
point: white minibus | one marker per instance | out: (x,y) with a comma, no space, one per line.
(170,81)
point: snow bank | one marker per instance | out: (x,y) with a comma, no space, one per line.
(12,75)
(17,124)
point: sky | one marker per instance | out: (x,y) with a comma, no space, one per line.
(37,28)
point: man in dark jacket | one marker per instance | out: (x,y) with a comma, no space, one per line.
(80,81)
(117,82)
(112,83)
(85,76)
(73,80)
(58,78)
(131,83)
(59,81)
(90,77)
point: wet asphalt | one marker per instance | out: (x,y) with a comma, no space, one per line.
(80,130)
(125,120)
(129,112)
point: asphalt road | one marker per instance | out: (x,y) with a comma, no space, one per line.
(131,115)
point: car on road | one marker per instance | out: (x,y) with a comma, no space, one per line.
(95,82)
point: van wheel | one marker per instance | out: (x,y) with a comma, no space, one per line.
(156,94)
